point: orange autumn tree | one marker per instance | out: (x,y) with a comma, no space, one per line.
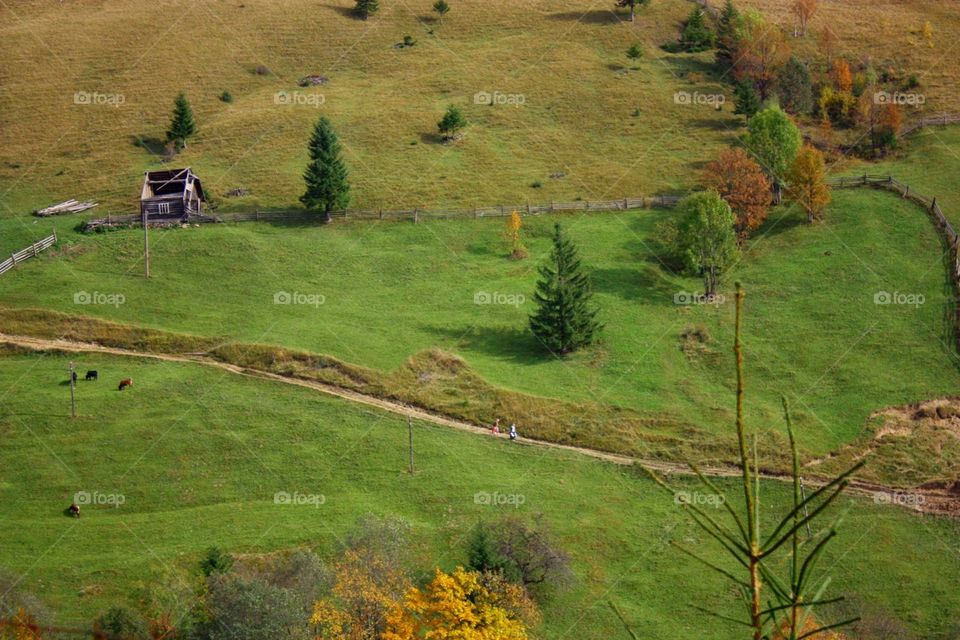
(841,76)
(368,587)
(743,184)
(455,606)
(808,182)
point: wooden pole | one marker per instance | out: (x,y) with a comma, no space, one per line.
(146,243)
(73,399)
(410,439)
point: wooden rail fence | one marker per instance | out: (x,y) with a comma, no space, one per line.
(30,252)
(948,233)
(414,215)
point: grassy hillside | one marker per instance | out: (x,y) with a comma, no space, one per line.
(391,290)
(198,455)
(586,113)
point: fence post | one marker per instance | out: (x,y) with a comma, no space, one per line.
(528,208)
(416,216)
(626,205)
(551,206)
(380,213)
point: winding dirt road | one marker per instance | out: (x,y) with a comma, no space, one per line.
(920,500)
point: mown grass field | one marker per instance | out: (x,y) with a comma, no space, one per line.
(391,290)
(587,113)
(198,455)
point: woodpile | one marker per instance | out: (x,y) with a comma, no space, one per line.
(70,206)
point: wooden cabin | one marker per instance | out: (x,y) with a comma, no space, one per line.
(171,194)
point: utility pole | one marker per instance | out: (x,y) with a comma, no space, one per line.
(146,242)
(73,399)
(410,433)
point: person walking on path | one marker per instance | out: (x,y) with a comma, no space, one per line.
(513,431)
(495,430)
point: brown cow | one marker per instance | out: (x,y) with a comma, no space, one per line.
(74,509)
(126,382)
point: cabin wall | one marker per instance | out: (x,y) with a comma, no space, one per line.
(152,208)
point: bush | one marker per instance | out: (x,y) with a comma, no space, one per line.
(216,562)
(836,107)
(253,609)
(120,622)
(226,96)
(525,555)
(261,70)
(408,41)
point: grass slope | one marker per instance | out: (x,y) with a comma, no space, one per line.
(199,454)
(394,289)
(566,59)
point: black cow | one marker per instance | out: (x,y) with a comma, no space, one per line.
(74,510)
(91,375)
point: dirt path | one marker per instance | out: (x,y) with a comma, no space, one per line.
(925,500)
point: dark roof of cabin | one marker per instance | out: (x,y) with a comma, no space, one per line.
(167,182)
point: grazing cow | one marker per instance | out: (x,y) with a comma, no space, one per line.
(74,509)
(91,375)
(126,382)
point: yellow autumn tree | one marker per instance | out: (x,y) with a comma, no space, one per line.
(455,606)
(808,182)
(927,32)
(514,226)
(368,587)
(21,626)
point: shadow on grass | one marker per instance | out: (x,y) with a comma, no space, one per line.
(643,284)
(685,64)
(513,344)
(346,12)
(714,124)
(432,138)
(150,144)
(597,16)
(780,220)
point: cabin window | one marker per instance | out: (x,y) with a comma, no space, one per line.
(163,207)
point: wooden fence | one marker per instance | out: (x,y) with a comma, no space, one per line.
(294,216)
(948,233)
(30,252)
(932,121)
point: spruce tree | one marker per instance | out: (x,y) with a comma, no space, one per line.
(746,100)
(565,319)
(696,35)
(366,8)
(326,175)
(794,87)
(181,125)
(727,36)
(452,123)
